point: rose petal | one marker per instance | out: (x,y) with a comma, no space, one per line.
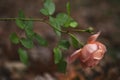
(100,52)
(93,38)
(87,50)
(74,56)
(91,48)
(89,63)
(98,55)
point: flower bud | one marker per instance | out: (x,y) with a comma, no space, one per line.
(89,30)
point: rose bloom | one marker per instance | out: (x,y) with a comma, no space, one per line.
(91,53)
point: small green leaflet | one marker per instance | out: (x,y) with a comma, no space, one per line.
(64,44)
(26,42)
(62,18)
(57,55)
(65,20)
(75,42)
(40,40)
(29,29)
(29,33)
(14,38)
(19,22)
(56,25)
(48,8)
(21,14)
(74,24)
(23,56)
(62,65)
(44,11)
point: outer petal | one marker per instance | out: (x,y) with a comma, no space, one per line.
(90,62)
(74,56)
(93,38)
(100,52)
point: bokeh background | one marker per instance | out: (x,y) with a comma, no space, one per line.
(102,15)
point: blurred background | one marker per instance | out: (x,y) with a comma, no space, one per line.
(102,15)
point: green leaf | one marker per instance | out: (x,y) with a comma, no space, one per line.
(75,41)
(29,29)
(44,11)
(74,24)
(23,56)
(57,55)
(30,34)
(64,44)
(19,22)
(29,24)
(40,40)
(21,14)
(27,43)
(61,66)
(62,18)
(14,38)
(68,8)
(56,25)
(65,20)
(49,8)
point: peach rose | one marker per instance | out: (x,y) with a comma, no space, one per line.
(91,53)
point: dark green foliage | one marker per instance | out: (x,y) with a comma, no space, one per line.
(57,55)
(56,25)
(73,24)
(65,20)
(40,40)
(14,38)
(26,42)
(75,42)
(19,21)
(58,22)
(61,66)
(62,20)
(29,29)
(48,8)
(64,44)
(23,56)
